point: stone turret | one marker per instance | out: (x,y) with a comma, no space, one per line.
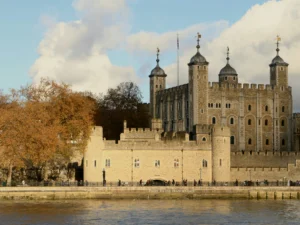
(198,88)
(157,82)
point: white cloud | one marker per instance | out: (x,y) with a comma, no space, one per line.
(251,41)
(76,52)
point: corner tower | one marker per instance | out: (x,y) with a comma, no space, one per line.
(228,74)
(278,69)
(198,88)
(157,82)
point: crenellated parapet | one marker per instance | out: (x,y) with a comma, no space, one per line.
(246,87)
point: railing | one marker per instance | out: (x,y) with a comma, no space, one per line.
(148,183)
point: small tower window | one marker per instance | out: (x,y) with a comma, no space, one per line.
(266,108)
(266,122)
(281,68)
(232,140)
(233,78)
(225,78)
(249,141)
(156,86)
(204,163)
(282,109)
(203,139)
(95,163)
(231,121)
(220,162)
(282,123)
(283,142)
(249,107)
(204,67)
(249,122)
(214,120)
(267,141)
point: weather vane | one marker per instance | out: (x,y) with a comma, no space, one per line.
(278,38)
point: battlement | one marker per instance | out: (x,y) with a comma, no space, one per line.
(138,130)
(264,153)
(155,145)
(174,90)
(216,86)
(258,169)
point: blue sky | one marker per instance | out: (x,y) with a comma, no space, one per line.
(64,40)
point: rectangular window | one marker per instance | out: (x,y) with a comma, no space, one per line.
(95,163)
(107,163)
(220,162)
(157,163)
(86,163)
(136,163)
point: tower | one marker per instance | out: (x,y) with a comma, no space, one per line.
(198,85)
(221,154)
(228,73)
(278,69)
(157,82)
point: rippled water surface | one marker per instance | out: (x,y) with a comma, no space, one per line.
(150,212)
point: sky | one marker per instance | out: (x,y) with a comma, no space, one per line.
(97,44)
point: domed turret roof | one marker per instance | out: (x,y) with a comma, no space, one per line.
(157,71)
(198,59)
(277,59)
(228,70)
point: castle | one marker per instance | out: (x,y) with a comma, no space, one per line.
(220,131)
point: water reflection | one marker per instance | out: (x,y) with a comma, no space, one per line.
(150,212)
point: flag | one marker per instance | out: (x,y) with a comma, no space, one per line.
(199,35)
(177,42)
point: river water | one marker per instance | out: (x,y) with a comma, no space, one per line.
(150,212)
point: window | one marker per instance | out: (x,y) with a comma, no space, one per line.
(282,142)
(259,122)
(95,163)
(249,141)
(107,163)
(267,141)
(160,86)
(232,140)
(266,122)
(220,162)
(204,163)
(157,163)
(214,120)
(156,86)
(208,105)
(266,108)
(282,123)
(219,105)
(204,67)
(249,107)
(176,163)
(137,163)
(231,121)
(282,109)
(233,78)
(249,122)
(203,139)
(225,78)
(86,163)
(281,68)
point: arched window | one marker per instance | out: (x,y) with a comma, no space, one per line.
(249,122)
(282,142)
(282,123)
(266,108)
(249,107)
(282,109)
(231,121)
(232,140)
(203,139)
(267,141)
(249,141)
(219,105)
(266,122)
(214,120)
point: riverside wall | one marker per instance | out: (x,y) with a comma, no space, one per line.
(63,193)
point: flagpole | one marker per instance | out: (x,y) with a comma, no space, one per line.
(177,59)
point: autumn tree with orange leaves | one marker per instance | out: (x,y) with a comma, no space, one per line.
(40,123)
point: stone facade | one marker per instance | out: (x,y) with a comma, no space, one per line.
(220,131)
